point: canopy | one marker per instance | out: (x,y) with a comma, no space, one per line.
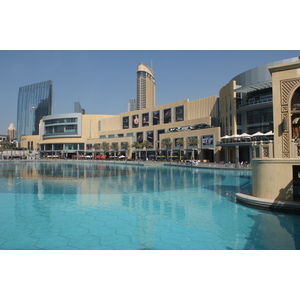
(258,134)
(225,137)
(269,133)
(245,135)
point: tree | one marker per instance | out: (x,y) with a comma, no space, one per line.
(105,147)
(6,145)
(96,147)
(193,141)
(146,144)
(136,145)
(115,147)
(180,143)
(126,147)
(167,143)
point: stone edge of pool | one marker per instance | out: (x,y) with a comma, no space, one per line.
(270,204)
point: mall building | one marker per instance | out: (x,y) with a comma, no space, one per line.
(235,127)
(75,134)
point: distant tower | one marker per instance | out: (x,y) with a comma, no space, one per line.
(34,102)
(146,88)
(132,105)
(78,108)
(11,132)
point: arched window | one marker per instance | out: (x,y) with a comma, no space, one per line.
(295,116)
(295,104)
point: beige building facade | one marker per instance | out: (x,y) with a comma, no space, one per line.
(75,134)
(278,178)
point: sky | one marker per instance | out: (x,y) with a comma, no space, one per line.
(104,81)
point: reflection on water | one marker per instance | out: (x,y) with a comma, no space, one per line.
(154,207)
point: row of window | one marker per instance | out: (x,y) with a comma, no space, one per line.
(61,129)
(207,140)
(144,119)
(63,147)
(58,121)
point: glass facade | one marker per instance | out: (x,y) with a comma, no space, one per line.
(34,102)
(63,125)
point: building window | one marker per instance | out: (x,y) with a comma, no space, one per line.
(145,119)
(150,136)
(167,116)
(156,117)
(179,113)
(102,137)
(99,125)
(111,136)
(125,122)
(135,121)
(139,137)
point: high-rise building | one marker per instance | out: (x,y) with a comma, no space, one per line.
(146,87)
(78,108)
(34,102)
(11,132)
(132,105)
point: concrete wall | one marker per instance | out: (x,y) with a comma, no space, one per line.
(273,178)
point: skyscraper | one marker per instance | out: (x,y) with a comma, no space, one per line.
(146,88)
(78,108)
(34,102)
(11,132)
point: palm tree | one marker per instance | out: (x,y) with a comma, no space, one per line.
(136,145)
(6,145)
(115,147)
(146,144)
(126,147)
(180,143)
(105,147)
(167,143)
(96,147)
(193,141)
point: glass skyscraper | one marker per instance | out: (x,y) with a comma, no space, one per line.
(34,102)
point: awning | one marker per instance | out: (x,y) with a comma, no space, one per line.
(254,87)
(258,134)
(245,135)
(270,132)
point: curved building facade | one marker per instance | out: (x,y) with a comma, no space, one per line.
(34,102)
(146,87)
(246,107)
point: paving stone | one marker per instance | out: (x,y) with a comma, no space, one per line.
(174,237)
(102,231)
(117,242)
(84,242)
(20,243)
(74,232)
(51,243)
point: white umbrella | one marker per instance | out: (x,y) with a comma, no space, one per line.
(245,135)
(258,134)
(269,133)
(225,137)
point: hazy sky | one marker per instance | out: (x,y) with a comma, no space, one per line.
(103,81)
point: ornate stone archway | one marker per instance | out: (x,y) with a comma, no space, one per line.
(288,114)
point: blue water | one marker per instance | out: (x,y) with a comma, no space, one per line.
(83,205)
